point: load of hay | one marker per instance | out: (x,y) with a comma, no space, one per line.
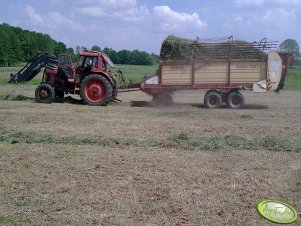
(175,48)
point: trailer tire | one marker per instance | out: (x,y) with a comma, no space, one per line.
(213,99)
(44,93)
(96,90)
(235,100)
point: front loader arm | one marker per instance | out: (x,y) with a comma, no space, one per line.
(33,67)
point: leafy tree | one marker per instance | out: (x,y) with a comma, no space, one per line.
(60,48)
(291,46)
(16,52)
(18,45)
(112,54)
(124,56)
(5,49)
(96,48)
(131,57)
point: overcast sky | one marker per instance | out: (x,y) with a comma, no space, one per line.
(143,24)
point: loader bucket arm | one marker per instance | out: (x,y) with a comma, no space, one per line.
(33,67)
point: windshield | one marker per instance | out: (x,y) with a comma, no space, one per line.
(108,60)
(88,61)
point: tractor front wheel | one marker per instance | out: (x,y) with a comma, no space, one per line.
(44,93)
(96,90)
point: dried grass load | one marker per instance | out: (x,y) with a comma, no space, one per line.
(175,48)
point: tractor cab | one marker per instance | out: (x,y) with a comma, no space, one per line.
(90,61)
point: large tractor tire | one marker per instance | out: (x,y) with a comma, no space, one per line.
(213,99)
(96,90)
(114,92)
(44,93)
(235,100)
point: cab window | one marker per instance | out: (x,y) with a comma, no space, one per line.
(87,61)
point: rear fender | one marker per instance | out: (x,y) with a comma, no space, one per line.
(108,77)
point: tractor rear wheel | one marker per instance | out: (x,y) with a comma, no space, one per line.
(44,93)
(96,90)
(213,99)
(114,92)
(235,100)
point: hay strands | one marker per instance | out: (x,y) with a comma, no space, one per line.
(224,48)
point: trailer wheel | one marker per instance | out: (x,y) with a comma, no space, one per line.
(212,99)
(96,90)
(235,100)
(44,93)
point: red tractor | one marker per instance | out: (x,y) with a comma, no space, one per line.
(90,78)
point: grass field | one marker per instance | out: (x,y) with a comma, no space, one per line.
(133,163)
(293,81)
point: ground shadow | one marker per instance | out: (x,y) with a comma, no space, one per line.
(152,104)
(69,100)
(16,98)
(247,106)
(183,105)
(141,104)
(255,106)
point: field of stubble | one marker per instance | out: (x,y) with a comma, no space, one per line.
(136,164)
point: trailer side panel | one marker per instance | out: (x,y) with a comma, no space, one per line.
(214,72)
(177,74)
(242,72)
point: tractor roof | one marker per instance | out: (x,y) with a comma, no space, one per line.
(90,53)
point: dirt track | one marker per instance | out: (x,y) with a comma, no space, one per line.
(135,164)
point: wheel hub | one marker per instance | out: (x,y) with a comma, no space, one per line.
(94,91)
(213,100)
(236,101)
(43,94)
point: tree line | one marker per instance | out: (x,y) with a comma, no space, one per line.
(124,56)
(18,46)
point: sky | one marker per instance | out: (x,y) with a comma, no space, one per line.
(144,24)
